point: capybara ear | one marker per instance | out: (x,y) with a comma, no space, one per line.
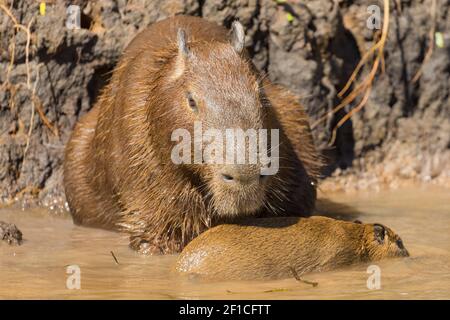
(182,42)
(379,232)
(183,53)
(237,36)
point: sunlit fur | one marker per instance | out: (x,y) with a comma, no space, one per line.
(271,248)
(390,246)
(118,173)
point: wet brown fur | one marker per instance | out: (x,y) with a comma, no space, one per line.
(270,248)
(118,173)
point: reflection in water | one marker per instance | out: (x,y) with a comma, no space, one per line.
(37,269)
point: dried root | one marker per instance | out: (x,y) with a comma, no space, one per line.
(36,104)
(364,88)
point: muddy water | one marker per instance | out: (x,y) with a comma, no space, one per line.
(37,269)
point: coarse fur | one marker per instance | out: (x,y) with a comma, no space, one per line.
(118,172)
(271,248)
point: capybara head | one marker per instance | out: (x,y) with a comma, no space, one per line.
(212,90)
(382,242)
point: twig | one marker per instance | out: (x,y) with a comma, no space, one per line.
(115,259)
(35,101)
(349,115)
(366,84)
(27,31)
(27,64)
(277,290)
(361,63)
(11,62)
(43,117)
(298,278)
(33,107)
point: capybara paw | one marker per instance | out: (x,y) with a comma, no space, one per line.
(145,247)
(154,246)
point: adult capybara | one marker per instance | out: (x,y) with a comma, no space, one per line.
(269,248)
(119,171)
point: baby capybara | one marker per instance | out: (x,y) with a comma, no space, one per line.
(271,248)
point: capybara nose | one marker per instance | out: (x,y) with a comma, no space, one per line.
(241,176)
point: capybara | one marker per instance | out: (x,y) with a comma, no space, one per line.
(118,170)
(271,248)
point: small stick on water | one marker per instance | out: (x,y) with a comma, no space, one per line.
(231,292)
(266,291)
(277,290)
(297,277)
(114,256)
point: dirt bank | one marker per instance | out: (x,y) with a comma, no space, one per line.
(309,46)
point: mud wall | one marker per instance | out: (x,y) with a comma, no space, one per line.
(53,75)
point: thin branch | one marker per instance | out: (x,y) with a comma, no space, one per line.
(365,86)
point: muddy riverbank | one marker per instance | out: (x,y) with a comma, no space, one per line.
(311,47)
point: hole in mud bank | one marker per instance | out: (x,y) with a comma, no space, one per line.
(99,80)
(85,21)
(341,154)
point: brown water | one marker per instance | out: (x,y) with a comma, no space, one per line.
(37,269)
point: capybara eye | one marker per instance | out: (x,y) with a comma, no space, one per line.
(400,244)
(227,178)
(191,102)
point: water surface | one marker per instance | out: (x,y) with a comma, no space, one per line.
(37,269)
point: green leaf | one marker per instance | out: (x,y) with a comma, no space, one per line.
(439,39)
(289,17)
